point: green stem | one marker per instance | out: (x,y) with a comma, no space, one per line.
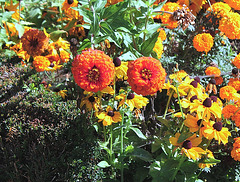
(146,21)
(19,12)
(183,117)
(178,167)
(122,164)
(60,12)
(168,102)
(104,133)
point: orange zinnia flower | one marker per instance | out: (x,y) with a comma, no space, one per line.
(93,70)
(236,118)
(146,75)
(235,153)
(228,111)
(212,70)
(41,63)
(203,42)
(34,42)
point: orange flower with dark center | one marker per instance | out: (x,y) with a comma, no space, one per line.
(34,42)
(146,75)
(93,70)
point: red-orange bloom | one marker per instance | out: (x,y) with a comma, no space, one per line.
(93,70)
(41,63)
(228,111)
(236,118)
(146,75)
(34,42)
(235,83)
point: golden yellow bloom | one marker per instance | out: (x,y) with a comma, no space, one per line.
(162,34)
(109,116)
(64,56)
(235,4)
(220,8)
(178,75)
(10,29)
(227,92)
(90,102)
(132,100)
(189,146)
(217,131)
(158,48)
(230,25)
(121,68)
(235,83)
(168,18)
(41,63)
(203,42)
(208,155)
(67,4)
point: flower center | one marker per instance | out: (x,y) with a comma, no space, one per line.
(91,99)
(212,81)
(194,84)
(52,65)
(213,98)
(93,75)
(197,79)
(117,62)
(193,98)
(187,144)
(146,74)
(110,113)
(34,43)
(207,102)
(217,126)
(130,96)
(199,123)
(70,1)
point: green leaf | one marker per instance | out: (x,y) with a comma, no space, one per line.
(138,133)
(103,164)
(87,15)
(148,45)
(163,121)
(160,5)
(183,137)
(141,154)
(112,11)
(210,161)
(20,29)
(99,5)
(56,34)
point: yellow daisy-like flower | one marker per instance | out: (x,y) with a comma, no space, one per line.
(64,56)
(69,4)
(217,131)
(230,25)
(10,29)
(194,123)
(109,116)
(203,42)
(189,146)
(235,4)
(41,63)
(178,75)
(208,155)
(236,61)
(90,102)
(61,43)
(158,48)
(132,100)
(205,108)
(121,68)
